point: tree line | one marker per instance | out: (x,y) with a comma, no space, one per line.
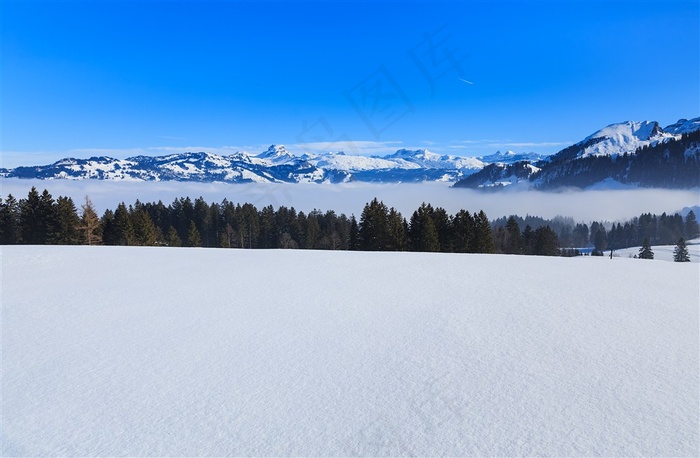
(41,219)
(664,229)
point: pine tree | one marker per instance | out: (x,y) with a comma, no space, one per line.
(443,227)
(9,221)
(645,251)
(397,232)
(546,242)
(680,253)
(173,238)
(692,229)
(32,227)
(528,240)
(313,230)
(90,227)
(462,231)
(354,237)
(193,237)
(123,227)
(109,235)
(483,240)
(145,232)
(67,223)
(513,242)
(422,231)
(49,215)
(600,239)
(373,229)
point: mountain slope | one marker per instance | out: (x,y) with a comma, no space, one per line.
(629,153)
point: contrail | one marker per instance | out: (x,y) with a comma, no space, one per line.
(462,79)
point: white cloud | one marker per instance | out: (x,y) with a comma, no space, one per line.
(349,198)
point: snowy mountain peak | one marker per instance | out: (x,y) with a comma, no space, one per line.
(276,154)
(624,137)
(683,126)
(625,131)
(510,157)
(418,154)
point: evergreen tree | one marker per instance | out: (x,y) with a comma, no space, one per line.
(313,230)
(645,251)
(483,239)
(692,229)
(680,253)
(269,232)
(373,228)
(396,226)
(443,227)
(513,238)
(173,239)
(422,231)
(600,239)
(145,231)
(123,227)
(462,231)
(193,237)
(9,221)
(32,225)
(67,223)
(354,237)
(202,219)
(580,235)
(90,227)
(109,233)
(248,226)
(546,242)
(49,215)
(528,240)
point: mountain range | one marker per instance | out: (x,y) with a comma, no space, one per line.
(628,153)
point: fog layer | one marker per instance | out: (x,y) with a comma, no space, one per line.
(611,205)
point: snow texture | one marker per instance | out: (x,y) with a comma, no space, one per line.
(125,351)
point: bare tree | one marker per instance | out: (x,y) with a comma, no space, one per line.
(90,224)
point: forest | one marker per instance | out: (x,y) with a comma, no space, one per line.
(40,219)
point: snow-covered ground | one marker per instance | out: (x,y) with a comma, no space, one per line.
(663,252)
(181,352)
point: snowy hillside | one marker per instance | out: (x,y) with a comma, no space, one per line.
(663,252)
(683,126)
(622,155)
(622,138)
(195,352)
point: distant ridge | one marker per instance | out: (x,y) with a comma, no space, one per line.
(652,156)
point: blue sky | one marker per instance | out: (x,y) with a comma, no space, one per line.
(468,78)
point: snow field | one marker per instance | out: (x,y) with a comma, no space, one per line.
(180,352)
(662,252)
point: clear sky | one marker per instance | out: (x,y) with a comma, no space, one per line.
(467,78)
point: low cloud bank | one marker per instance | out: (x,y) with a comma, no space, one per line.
(611,205)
